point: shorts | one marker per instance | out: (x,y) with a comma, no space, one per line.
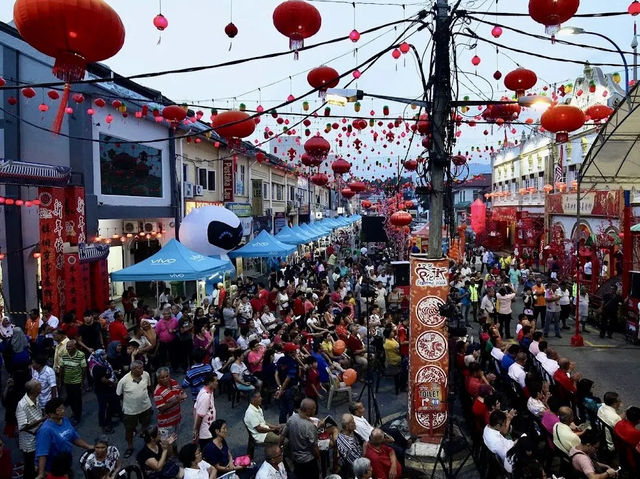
(131,421)
(166,432)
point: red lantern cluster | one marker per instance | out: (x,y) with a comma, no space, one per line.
(296,20)
(501,113)
(478,216)
(18,202)
(400,219)
(520,80)
(561,120)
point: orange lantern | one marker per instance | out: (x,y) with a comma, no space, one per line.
(339,347)
(401,218)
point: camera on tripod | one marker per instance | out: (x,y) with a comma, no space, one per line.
(367,290)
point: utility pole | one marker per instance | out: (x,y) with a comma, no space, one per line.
(438,153)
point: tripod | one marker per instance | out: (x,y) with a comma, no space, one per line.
(372,401)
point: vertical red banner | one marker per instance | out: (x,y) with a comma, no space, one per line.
(429,348)
(76,290)
(99,285)
(74,217)
(51,217)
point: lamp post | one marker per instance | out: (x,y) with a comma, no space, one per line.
(582,31)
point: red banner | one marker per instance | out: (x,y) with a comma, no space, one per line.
(429,348)
(74,219)
(76,290)
(592,203)
(228,176)
(51,213)
(99,284)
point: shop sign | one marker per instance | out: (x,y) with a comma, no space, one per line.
(190,205)
(240,209)
(594,203)
(227,178)
(256,198)
(279,223)
(429,349)
(247,224)
(304,209)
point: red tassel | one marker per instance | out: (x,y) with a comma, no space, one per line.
(57,122)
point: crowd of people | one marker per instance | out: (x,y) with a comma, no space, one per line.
(283,341)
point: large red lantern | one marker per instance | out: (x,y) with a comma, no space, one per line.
(357,186)
(306,159)
(561,120)
(505,112)
(411,165)
(297,20)
(317,146)
(320,179)
(340,166)
(599,112)
(401,218)
(233,125)
(552,13)
(478,216)
(74,32)
(520,80)
(174,114)
(634,8)
(322,78)
(347,193)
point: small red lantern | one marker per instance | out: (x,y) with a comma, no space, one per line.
(297,20)
(561,120)
(322,78)
(160,22)
(458,160)
(599,112)
(475,61)
(231,30)
(233,125)
(552,13)
(520,80)
(320,179)
(411,165)
(634,8)
(317,147)
(496,32)
(354,36)
(28,92)
(347,193)
(74,32)
(400,219)
(340,166)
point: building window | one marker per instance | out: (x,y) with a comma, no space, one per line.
(240,180)
(277,191)
(292,193)
(185,172)
(211,180)
(265,190)
(202,177)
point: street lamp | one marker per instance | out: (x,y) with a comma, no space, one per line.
(582,31)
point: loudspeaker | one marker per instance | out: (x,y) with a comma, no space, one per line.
(373,230)
(401,273)
(635,284)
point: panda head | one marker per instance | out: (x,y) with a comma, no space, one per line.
(211,230)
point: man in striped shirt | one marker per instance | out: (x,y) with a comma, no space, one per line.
(73,367)
(29,416)
(168,396)
(46,377)
(194,377)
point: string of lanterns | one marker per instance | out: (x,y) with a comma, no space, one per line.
(18,202)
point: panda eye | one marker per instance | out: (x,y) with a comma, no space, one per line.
(222,235)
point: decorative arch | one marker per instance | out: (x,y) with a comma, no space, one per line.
(583,230)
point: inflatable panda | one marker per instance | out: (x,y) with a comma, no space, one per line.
(211,231)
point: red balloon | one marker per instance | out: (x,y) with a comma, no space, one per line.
(350,376)
(339,347)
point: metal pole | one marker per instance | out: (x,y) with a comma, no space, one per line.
(634,45)
(576,339)
(441,107)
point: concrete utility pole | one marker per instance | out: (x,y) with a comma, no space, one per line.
(438,153)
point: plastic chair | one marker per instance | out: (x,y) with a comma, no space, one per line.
(336,387)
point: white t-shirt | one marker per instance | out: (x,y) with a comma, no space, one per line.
(201,473)
(135,395)
(267,471)
(205,407)
(498,444)
(53,321)
(238,369)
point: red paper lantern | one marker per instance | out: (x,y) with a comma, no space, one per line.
(306,159)
(322,78)
(317,146)
(174,114)
(347,193)
(423,124)
(599,112)
(160,22)
(561,120)
(411,165)
(634,8)
(28,92)
(233,125)
(354,36)
(340,166)
(366,204)
(231,30)
(552,13)
(458,160)
(357,186)
(520,80)
(478,216)
(496,32)
(296,20)
(320,179)
(475,61)
(260,157)
(401,218)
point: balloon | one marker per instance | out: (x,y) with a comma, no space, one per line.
(338,347)
(350,376)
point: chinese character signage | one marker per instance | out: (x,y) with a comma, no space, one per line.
(429,348)
(593,203)
(227,179)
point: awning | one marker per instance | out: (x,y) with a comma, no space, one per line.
(174,262)
(288,236)
(263,246)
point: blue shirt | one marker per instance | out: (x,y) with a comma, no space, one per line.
(322,367)
(288,368)
(507,361)
(53,438)
(465,300)
(194,378)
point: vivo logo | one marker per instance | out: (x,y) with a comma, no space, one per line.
(261,244)
(163,261)
(177,275)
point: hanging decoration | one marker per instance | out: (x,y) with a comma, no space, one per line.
(347,193)
(520,80)
(297,20)
(552,13)
(74,32)
(319,179)
(174,114)
(340,166)
(323,78)
(231,30)
(598,112)
(233,125)
(561,120)
(478,216)
(401,218)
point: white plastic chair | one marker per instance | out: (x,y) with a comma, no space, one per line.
(336,387)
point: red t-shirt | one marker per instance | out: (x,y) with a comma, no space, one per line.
(402,337)
(313,379)
(256,304)
(171,416)
(381,462)
(354,343)
(71,329)
(118,332)
(565,381)
(308,306)
(298,307)
(480,414)
(473,385)
(627,432)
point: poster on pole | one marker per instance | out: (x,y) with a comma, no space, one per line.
(429,348)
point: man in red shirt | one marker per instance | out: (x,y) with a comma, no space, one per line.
(308,303)
(117,330)
(561,377)
(168,396)
(479,408)
(403,337)
(626,430)
(475,380)
(384,463)
(298,305)
(355,346)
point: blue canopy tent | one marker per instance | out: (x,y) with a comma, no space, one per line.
(317,234)
(321,231)
(304,233)
(323,226)
(263,246)
(288,236)
(174,262)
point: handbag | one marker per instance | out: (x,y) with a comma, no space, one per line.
(249,378)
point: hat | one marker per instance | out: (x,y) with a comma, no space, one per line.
(290,347)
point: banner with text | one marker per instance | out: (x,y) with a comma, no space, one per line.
(429,348)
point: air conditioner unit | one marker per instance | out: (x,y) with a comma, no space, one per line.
(198,190)
(132,227)
(150,226)
(188,189)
